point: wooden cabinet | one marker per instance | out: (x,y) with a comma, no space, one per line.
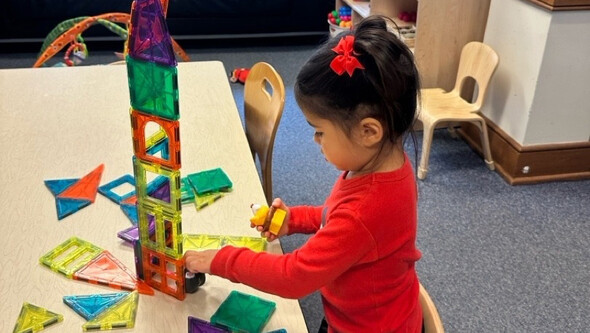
(442,28)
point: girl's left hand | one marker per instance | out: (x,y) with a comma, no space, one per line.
(199,261)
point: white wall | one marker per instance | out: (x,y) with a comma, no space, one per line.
(540,92)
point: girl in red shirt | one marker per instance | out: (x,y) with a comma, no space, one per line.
(359,92)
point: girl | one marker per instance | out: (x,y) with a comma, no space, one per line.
(359,93)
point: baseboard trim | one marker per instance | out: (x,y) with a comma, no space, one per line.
(547,162)
(555,5)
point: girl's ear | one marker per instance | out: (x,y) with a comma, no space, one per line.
(371,131)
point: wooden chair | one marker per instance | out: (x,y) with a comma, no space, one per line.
(479,62)
(264,99)
(432,322)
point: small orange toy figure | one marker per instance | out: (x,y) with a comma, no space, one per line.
(239,75)
(270,219)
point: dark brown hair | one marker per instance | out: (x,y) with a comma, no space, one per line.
(386,89)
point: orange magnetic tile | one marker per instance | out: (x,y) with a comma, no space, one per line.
(139,122)
(85,188)
(144,288)
(157,273)
(107,270)
(132,200)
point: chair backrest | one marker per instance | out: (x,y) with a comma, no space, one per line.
(478,61)
(264,100)
(432,322)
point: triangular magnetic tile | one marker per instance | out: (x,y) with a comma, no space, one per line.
(85,188)
(107,270)
(67,207)
(150,39)
(90,306)
(33,319)
(121,315)
(132,200)
(57,186)
(144,288)
(196,325)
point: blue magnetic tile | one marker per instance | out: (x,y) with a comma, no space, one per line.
(59,185)
(90,306)
(107,189)
(66,206)
(131,212)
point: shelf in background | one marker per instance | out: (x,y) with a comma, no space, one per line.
(363,8)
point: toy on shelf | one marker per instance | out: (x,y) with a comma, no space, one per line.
(271,219)
(341,17)
(407,16)
(34,319)
(408,35)
(340,20)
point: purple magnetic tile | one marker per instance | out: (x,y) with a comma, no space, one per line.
(162,193)
(131,234)
(196,325)
(150,39)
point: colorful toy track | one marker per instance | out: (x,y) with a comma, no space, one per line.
(70,31)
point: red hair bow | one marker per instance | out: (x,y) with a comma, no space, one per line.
(346,60)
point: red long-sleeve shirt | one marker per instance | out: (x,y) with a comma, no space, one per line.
(361,257)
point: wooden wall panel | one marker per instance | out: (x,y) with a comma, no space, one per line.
(443,28)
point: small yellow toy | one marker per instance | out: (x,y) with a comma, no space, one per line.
(271,219)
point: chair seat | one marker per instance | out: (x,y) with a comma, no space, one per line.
(438,104)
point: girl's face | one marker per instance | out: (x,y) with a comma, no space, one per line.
(344,152)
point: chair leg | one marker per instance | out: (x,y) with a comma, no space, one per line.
(485,144)
(426,142)
(452,130)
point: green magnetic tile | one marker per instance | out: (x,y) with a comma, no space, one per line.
(210,181)
(243,313)
(153,88)
(186,191)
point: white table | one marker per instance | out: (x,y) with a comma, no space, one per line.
(62,123)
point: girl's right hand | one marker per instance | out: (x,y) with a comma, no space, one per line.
(279,204)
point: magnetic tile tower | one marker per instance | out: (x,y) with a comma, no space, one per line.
(153,87)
